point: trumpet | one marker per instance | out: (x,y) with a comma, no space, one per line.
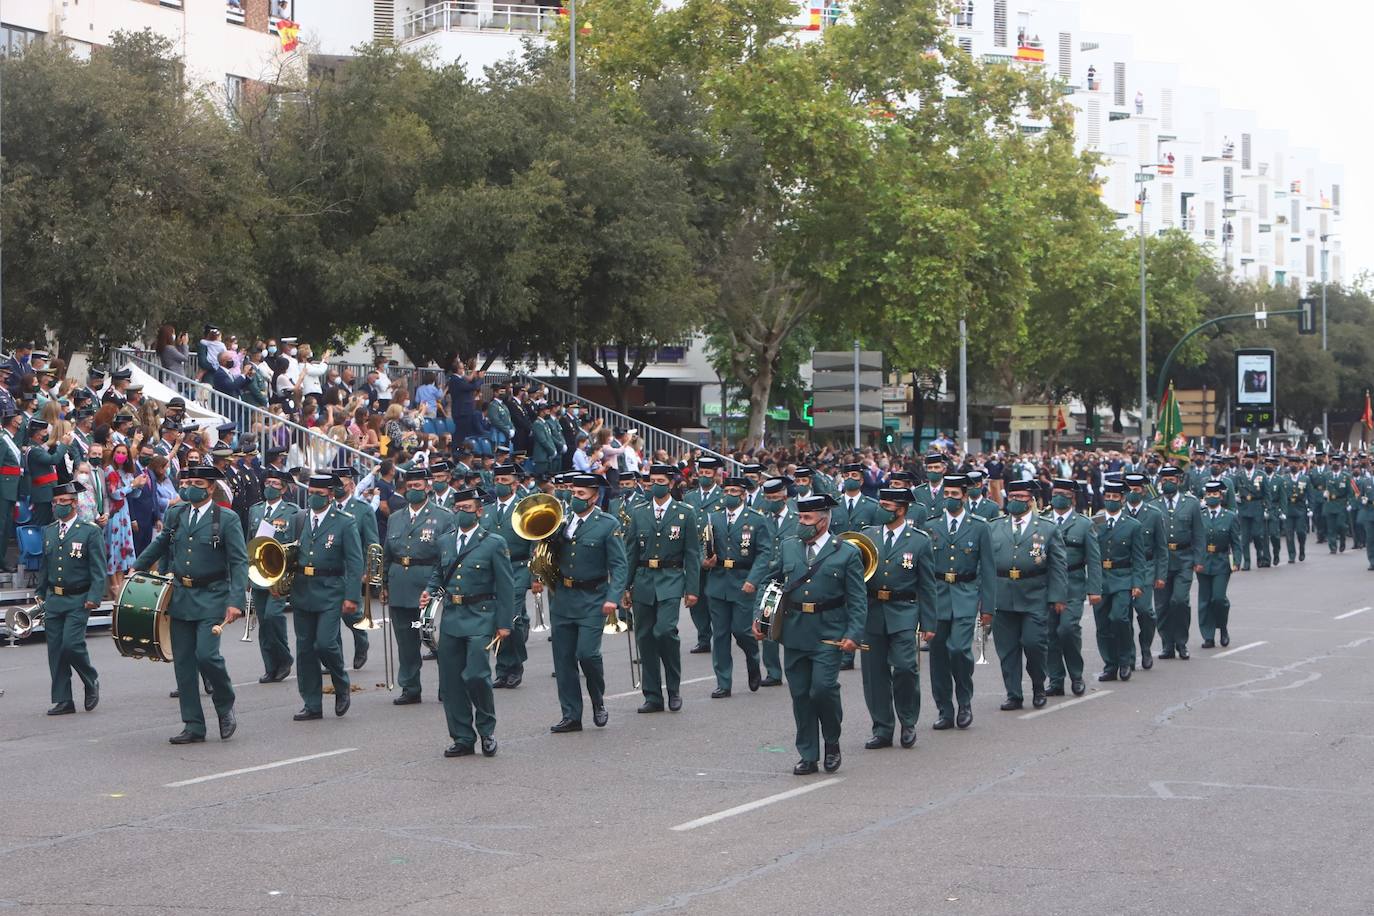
(248,619)
(372,578)
(982,637)
(540,623)
(21,621)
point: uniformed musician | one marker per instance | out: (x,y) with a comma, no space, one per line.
(365,518)
(415,536)
(744,542)
(71,584)
(782,523)
(272,517)
(704,497)
(1126,576)
(499,517)
(1064,633)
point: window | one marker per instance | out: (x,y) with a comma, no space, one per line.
(1264,202)
(1166,209)
(1166,109)
(1245,152)
(1209,217)
(1296,215)
(1187,166)
(233,89)
(234,11)
(1325,230)
(13,39)
(1093,113)
(1336,198)
(999,23)
(966,45)
(1245,234)
(1066,56)
(1278,250)
(963,18)
(1311,260)
(278,10)
(1228,182)
(1119,90)
(383,20)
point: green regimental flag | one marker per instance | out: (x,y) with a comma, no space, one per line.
(1169,439)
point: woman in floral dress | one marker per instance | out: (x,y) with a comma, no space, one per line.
(120,478)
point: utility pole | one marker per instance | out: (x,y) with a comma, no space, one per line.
(963,385)
(1326,424)
(572,86)
(858,397)
(1141,178)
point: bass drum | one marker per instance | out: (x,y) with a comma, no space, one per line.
(431,616)
(140,625)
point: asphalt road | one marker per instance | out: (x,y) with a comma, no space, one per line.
(1224,784)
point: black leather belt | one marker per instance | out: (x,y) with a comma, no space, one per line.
(190,582)
(1176,546)
(1116,564)
(736,564)
(814,607)
(470,599)
(886,594)
(953,577)
(1023,574)
(65,590)
(656,563)
(315,571)
(585,585)
(1077,566)
(408,562)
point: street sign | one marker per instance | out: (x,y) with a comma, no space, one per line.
(1307,321)
(1143,177)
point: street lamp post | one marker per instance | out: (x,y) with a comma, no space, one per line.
(1141,178)
(1325,236)
(572,87)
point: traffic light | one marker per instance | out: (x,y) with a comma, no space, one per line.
(1307,321)
(1094,425)
(888,438)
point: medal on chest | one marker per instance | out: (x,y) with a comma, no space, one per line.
(746,537)
(426,535)
(908,561)
(329,542)
(674,532)
(77,547)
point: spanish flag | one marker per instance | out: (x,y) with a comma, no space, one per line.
(289,33)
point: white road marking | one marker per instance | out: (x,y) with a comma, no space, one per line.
(1262,642)
(1358,610)
(1067,703)
(754,805)
(265,766)
(637,693)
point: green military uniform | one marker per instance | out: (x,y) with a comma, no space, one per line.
(965,585)
(705,502)
(1183,536)
(1364,513)
(781,527)
(663,551)
(627,499)
(410,556)
(854,513)
(744,553)
(72,576)
(591,564)
(479,597)
(544,451)
(984,508)
(1251,498)
(511,657)
(1275,511)
(1228,482)
(928,502)
(329,572)
(1195,475)
(498,415)
(1317,478)
(1031,576)
(41,462)
(203,550)
(1121,542)
(1338,491)
(365,518)
(1147,604)
(11,476)
(1296,505)
(1224,533)
(901,602)
(829,603)
(1064,631)
(270,608)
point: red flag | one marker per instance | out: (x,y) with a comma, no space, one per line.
(1060,424)
(1367,418)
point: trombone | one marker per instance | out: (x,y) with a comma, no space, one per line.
(372,579)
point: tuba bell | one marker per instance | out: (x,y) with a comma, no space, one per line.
(271,564)
(21,621)
(536,518)
(867,548)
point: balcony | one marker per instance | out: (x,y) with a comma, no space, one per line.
(480,16)
(234,12)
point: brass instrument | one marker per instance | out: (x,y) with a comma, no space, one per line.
(708,541)
(248,619)
(21,621)
(271,564)
(867,548)
(541,624)
(982,638)
(536,518)
(372,578)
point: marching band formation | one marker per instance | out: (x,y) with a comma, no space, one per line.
(794,578)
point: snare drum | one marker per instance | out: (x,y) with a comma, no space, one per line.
(431,616)
(140,625)
(770,618)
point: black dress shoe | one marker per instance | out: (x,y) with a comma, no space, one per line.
(650,706)
(832,758)
(62,709)
(720,693)
(174,694)
(406,699)
(1166,655)
(341,703)
(942,723)
(566,725)
(674,702)
(1011,705)
(1053,691)
(1124,673)
(1225,636)
(754,677)
(429,656)
(872,744)
(1078,687)
(1109,675)
(1208,644)
(908,735)
(307,715)
(458,750)
(92,696)
(359,658)
(1038,699)
(1147,661)
(283,674)
(513,681)
(186,738)
(268,678)
(1183,652)
(600,717)
(805,768)
(228,724)
(699,650)
(499,683)
(488,746)
(964,718)
(771,681)
(847,664)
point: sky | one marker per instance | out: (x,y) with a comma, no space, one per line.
(1300,66)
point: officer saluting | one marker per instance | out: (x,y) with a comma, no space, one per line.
(71,583)
(202,547)
(901,601)
(824,605)
(474,576)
